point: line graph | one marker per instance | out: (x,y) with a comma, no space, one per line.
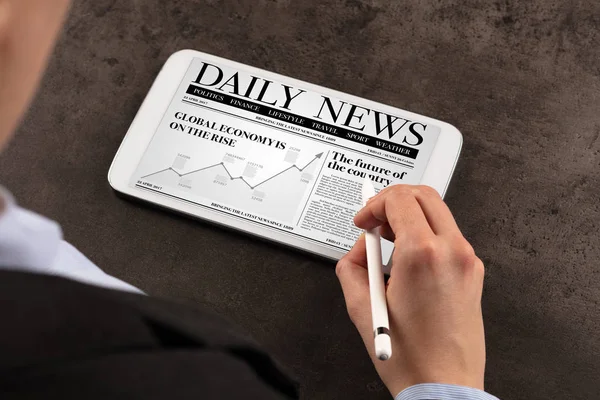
(276,194)
(222,164)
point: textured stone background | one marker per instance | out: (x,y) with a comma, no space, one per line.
(521,80)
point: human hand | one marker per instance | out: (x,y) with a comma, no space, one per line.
(433,293)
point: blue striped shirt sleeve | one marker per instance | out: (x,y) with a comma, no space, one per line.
(438,391)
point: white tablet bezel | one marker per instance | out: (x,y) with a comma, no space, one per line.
(437,175)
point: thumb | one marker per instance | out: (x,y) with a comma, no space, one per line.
(352,273)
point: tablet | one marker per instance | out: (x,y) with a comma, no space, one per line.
(271,155)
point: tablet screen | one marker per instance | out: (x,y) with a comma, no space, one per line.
(273,153)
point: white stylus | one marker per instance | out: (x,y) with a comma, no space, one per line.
(379,312)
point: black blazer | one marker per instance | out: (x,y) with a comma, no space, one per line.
(61,339)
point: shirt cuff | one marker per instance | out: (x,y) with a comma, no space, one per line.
(438,391)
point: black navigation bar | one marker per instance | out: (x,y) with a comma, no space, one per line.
(304,122)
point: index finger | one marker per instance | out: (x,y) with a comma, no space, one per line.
(397,207)
(429,202)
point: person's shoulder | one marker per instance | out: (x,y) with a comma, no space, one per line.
(180,349)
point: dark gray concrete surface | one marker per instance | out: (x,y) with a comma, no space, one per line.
(521,80)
